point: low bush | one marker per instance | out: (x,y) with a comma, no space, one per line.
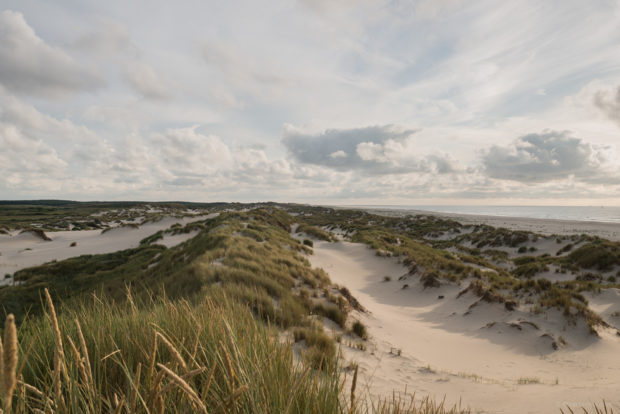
(359,329)
(331,312)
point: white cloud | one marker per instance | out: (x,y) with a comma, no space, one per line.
(338,154)
(143,79)
(29,65)
(185,151)
(369,151)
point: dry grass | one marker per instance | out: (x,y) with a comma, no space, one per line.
(8,363)
(211,357)
(596,409)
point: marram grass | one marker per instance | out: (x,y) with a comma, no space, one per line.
(209,357)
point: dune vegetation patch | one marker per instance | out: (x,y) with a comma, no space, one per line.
(496,264)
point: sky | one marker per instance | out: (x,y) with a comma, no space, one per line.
(313,101)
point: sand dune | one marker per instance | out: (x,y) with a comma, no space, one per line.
(493,360)
(610,231)
(19,251)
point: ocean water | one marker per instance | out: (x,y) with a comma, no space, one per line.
(580,213)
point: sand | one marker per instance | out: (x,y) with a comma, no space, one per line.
(497,369)
(609,231)
(19,251)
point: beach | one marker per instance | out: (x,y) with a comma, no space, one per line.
(605,230)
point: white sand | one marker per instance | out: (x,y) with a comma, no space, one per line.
(19,251)
(447,354)
(173,240)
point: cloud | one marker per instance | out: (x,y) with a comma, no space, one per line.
(28,163)
(144,80)
(371,150)
(32,122)
(21,153)
(609,103)
(184,151)
(31,66)
(236,73)
(547,156)
(110,39)
(338,154)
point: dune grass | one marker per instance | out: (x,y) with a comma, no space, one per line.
(172,356)
(315,232)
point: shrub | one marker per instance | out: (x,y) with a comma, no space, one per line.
(332,312)
(308,242)
(359,329)
(600,255)
(321,350)
(315,232)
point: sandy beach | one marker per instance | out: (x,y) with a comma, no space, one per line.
(490,360)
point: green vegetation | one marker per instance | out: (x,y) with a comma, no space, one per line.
(600,254)
(315,232)
(205,316)
(53,215)
(225,358)
(359,329)
(484,235)
(321,352)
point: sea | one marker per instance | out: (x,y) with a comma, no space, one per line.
(603,214)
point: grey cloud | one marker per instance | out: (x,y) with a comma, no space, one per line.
(538,158)
(29,65)
(609,104)
(185,181)
(372,150)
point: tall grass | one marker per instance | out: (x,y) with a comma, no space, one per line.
(213,356)
(166,356)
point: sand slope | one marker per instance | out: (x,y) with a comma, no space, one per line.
(508,367)
(19,251)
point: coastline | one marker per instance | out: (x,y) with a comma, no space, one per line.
(605,230)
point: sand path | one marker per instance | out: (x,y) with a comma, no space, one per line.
(447,354)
